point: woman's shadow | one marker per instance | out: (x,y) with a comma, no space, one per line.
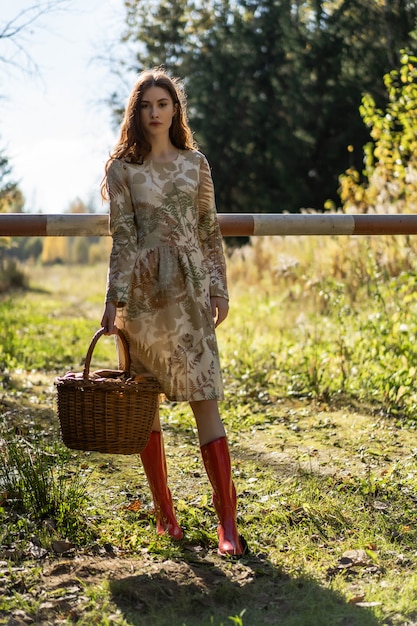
(196,591)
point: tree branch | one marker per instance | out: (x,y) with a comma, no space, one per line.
(17,30)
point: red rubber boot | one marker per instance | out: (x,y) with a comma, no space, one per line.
(216,459)
(154,464)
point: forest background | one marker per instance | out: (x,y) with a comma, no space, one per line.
(295,103)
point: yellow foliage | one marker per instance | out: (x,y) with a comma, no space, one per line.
(55,250)
(388,183)
(12,201)
(100,251)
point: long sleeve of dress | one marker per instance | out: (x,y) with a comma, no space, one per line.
(123,232)
(209,233)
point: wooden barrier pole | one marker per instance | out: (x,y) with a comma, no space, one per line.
(53,225)
(231,224)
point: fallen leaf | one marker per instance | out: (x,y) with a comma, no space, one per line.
(357,599)
(61,547)
(135,506)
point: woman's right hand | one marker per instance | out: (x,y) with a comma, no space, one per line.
(108,319)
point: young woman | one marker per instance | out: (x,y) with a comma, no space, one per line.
(166,285)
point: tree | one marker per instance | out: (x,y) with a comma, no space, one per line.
(11,198)
(242,95)
(388,182)
(274,86)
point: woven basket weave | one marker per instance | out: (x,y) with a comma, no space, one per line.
(106,411)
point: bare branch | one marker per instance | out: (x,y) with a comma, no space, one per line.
(17,31)
(29,16)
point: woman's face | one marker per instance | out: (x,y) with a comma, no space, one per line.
(157,110)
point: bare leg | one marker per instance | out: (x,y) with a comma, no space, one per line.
(209,423)
(156,425)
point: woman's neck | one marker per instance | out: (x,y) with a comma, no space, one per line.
(163,151)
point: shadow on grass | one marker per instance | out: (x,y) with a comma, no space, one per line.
(201,593)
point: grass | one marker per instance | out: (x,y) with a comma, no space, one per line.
(318,356)
(40,483)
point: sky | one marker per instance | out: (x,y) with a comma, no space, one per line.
(55,127)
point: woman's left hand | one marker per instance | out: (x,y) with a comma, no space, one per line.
(219,309)
(108,319)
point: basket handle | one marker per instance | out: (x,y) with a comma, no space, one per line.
(97,335)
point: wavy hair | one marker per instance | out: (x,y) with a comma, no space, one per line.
(133,145)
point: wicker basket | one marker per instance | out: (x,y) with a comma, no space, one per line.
(106,411)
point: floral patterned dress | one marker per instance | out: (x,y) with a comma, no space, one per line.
(166,262)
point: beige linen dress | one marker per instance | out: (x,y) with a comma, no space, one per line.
(167,260)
